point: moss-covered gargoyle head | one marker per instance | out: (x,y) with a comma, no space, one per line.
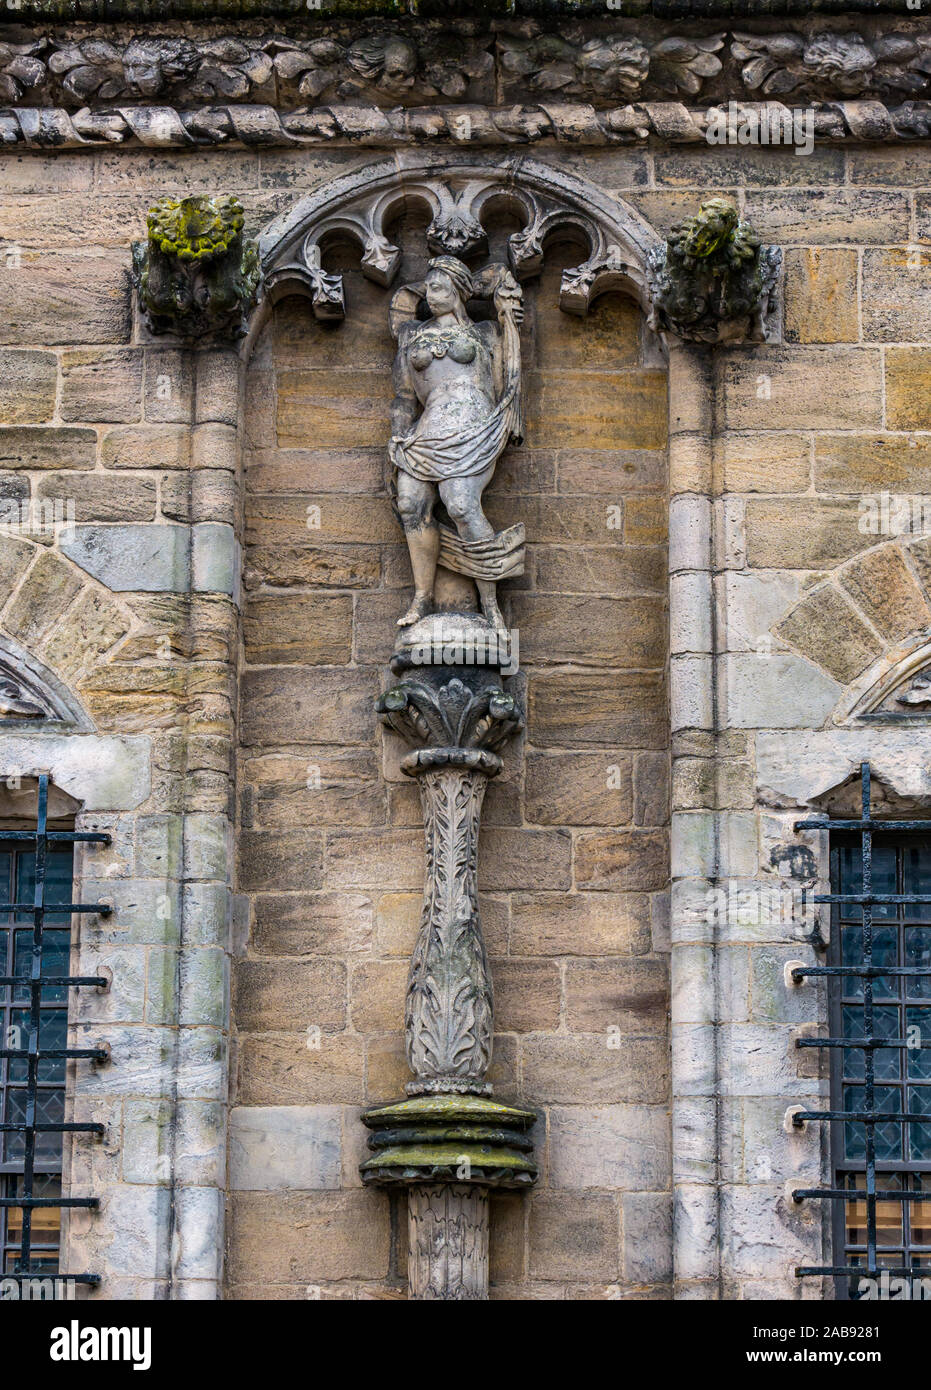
(711,229)
(713,281)
(195,275)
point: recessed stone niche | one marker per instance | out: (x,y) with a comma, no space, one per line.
(573,857)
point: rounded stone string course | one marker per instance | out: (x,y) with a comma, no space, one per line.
(164,127)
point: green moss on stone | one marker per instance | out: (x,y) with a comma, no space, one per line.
(450,1134)
(195,275)
(450,1138)
(482,1164)
(195,229)
(447,1108)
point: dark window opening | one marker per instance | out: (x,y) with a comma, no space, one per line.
(879,992)
(36,873)
(901,938)
(17,885)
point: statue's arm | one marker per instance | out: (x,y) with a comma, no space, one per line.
(405,404)
(494,340)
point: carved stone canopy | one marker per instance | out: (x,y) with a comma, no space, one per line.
(547,201)
(622,251)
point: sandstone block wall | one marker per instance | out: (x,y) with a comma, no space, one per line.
(574,853)
(784,614)
(118,452)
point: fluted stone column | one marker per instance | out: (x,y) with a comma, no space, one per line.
(449,1142)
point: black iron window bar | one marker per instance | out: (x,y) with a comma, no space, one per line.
(35,982)
(868,972)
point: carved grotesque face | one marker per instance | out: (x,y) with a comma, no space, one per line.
(142,68)
(399,64)
(614,67)
(712,228)
(387,60)
(839,56)
(442,295)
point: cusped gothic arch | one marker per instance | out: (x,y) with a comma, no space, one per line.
(32,696)
(895,689)
(459,199)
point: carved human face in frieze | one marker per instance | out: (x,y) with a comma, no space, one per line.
(614,67)
(400,64)
(387,60)
(841,58)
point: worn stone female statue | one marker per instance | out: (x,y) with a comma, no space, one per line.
(456,409)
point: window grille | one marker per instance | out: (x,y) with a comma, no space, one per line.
(879,987)
(35,908)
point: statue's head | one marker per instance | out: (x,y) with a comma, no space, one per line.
(448,285)
(713,226)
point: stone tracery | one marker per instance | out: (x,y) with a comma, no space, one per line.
(363,206)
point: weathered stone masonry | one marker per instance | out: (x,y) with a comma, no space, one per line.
(261,825)
(549,1009)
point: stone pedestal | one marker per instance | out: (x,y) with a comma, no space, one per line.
(448,1150)
(449,1142)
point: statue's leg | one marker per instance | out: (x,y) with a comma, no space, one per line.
(415,503)
(462,498)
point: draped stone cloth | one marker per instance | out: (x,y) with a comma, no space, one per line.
(461,433)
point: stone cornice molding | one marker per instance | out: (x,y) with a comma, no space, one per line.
(571,123)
